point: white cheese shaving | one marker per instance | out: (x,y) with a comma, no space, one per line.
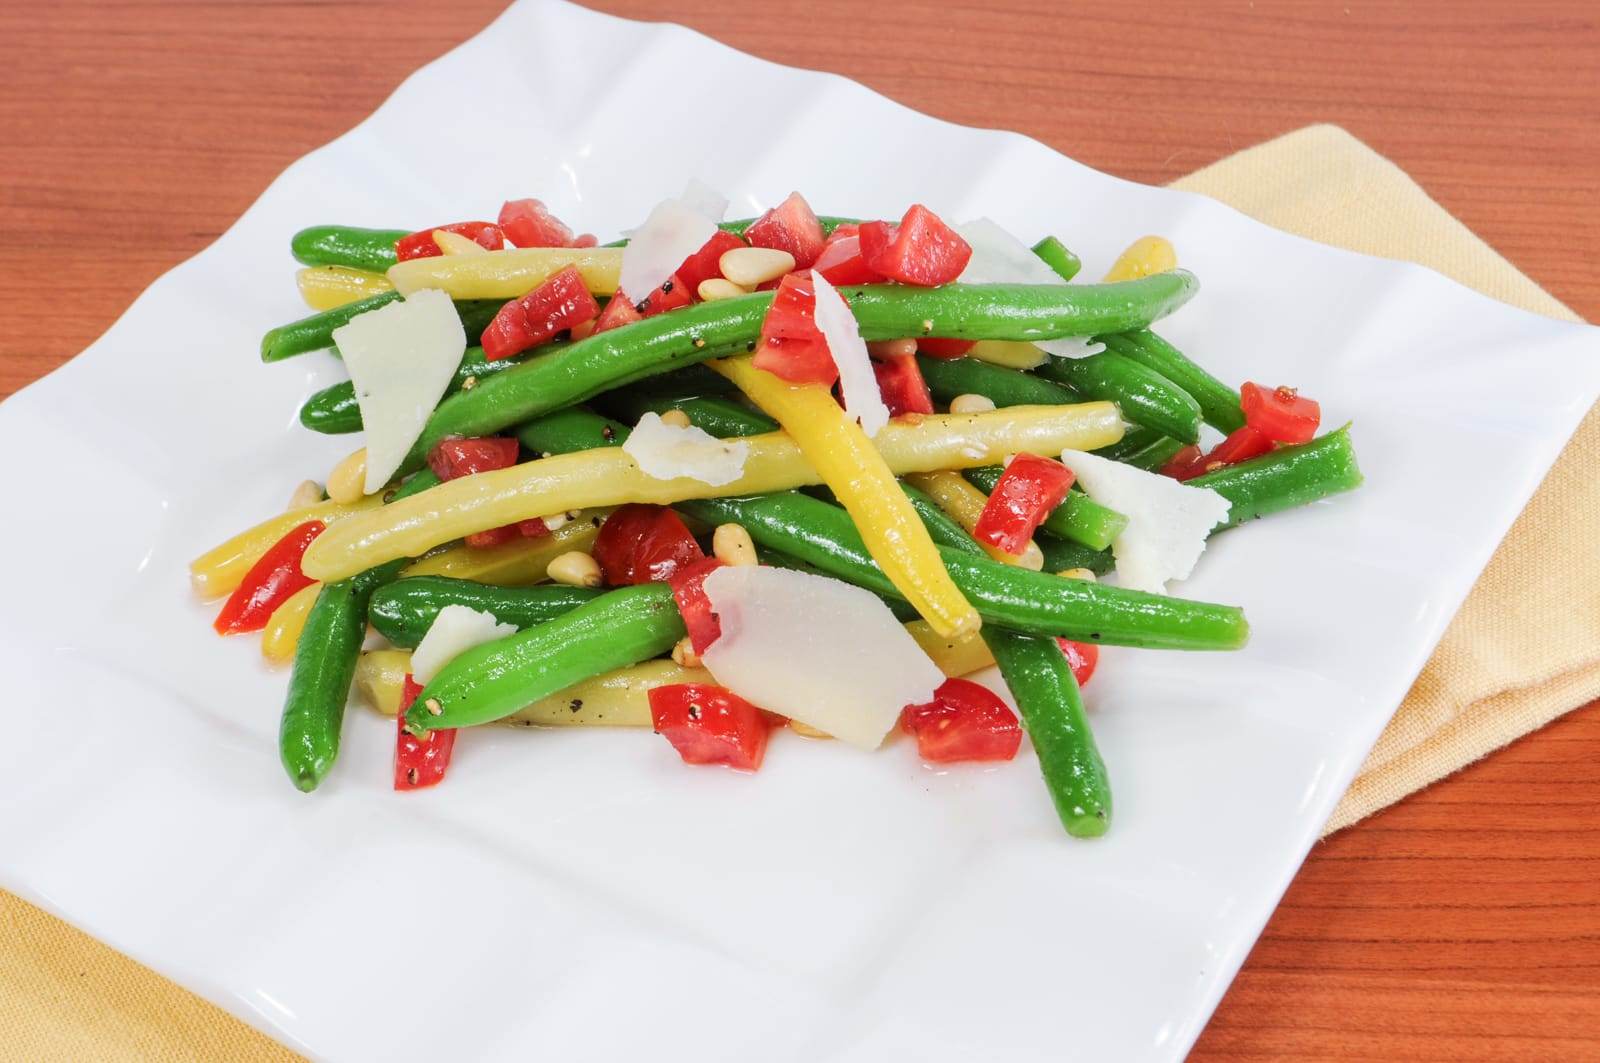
(1168,521)
(401,358)
(1000,258)
(455,630)
(674,230)
(817,650)
(666,451)
(862,399)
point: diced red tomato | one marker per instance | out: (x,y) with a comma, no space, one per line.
(583,329)
(706,262)
(419,762)
(1082,657)
(619,311)
(964,721)
(901,385)
(670,296)
(791,345)
(421,244)
(528,223)
(840,262)
(1186,464)
(586,240)
(561,302)
(886,350)
(271,581)
(1280,414)
(533,528)
(1242,445)
(688,590)
(453,458)
(642,543)
(710,725)
(921,250)
(791,226)
(1027,491)
(937,347)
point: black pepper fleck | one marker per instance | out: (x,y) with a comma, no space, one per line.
(575,704)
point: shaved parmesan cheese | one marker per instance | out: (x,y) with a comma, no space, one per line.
(1000,258)
(857,382)
(666,451)
(1168,521)
(826,653)
(674,230)
(401,357)
(454,631)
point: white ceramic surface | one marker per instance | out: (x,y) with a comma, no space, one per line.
(583,895)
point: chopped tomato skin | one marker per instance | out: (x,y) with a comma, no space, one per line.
(619,311)
(672,294)
(1280,414)
(791,226)
(921,250)
(841,262)
(706,263)
(791,346)
(271,581)
(419,761)
(421,243)
(710,725)
(1186,464)
(901,385)
(527,223)
(963,722)
(689,592)
(561,302)
(1082,658)
(533,528)
(1026,493)
(1242,445)
(642,543)
(936,347)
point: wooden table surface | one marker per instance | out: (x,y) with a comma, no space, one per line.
(1463,923)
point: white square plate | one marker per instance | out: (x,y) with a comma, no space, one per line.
(583,895)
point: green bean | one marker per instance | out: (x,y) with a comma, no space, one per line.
(492,681)
(1041,681)
(1061,555)
(1134,440)
(695,333)
(1153,456)
(948,377)
(1079,518)
(1144,395)
(1288,477)
(316,332)
(334,410)
(403,610)
(1058,257)
(1219,404)
(346,245)
(1034,602)
(719,416)
(942,528)
(567,430)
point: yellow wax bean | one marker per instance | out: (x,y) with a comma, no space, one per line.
(219,570)
(282,633)
(835,445)
(955,657)
(450,243)
(507,274)
(514,564)
(619,698)
(964,504)
(1146,255)
(608,476)
(1013,354)
(326,287)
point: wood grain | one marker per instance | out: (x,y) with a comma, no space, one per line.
(1463,923)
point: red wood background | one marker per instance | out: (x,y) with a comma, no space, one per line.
(1463,923)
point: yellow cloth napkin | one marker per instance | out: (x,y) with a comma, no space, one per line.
(1523,649)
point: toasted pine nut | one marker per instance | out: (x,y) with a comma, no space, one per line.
(576,569)
(348,480)
(751,266)
(1077,573)
(683,653)
(713,288)
(892,348)
(309,493)
(731,545)
(555,520)
(1031,557)
(676,418)
(970,403)
(806,730)
(455,244)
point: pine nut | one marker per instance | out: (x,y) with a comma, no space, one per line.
(1077,573)
(683,653)
(575,569)
(713,288)
(309,493)
(731,545)
(887,349)
(347,482)
(455,244)
(751,266)
(806,730)
(970,403)
(1031,557)
(676,418)
(555,520)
